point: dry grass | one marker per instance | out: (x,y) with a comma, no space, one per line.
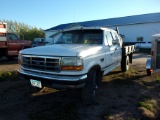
(7,75)
(149,108)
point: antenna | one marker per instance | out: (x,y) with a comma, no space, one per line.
(74,15)
(117,30)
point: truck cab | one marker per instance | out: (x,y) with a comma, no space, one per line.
(10,43)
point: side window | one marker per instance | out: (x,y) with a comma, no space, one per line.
(115,38)
(12,36)
(109,38)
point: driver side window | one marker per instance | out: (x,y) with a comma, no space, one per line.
(11,36)
(115,38)
(109,38)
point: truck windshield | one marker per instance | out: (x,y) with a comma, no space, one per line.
(81,37)
(12,36)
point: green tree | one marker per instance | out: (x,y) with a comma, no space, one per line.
(23,30)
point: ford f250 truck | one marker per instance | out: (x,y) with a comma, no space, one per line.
(10,44)
(78,59)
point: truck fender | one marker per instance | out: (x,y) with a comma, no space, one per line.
(148,63)
(99,73)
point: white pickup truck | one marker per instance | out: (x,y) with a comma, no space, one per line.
(78,59)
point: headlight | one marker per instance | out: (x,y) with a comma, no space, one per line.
(71,63)
(20,59)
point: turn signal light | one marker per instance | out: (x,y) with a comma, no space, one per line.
(20,62)
(72,68)
(151,70)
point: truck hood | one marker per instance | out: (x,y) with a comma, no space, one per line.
(63,50)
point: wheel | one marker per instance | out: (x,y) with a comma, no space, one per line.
(89,91)
(10,57)
(125,64)
(148,72)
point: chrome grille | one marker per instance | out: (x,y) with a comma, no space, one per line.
(42,63)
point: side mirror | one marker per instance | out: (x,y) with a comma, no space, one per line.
(114,42)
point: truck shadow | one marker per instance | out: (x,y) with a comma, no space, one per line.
(116,99)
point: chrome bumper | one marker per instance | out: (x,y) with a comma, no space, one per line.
(56,81)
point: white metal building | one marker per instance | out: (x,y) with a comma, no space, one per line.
(136,29)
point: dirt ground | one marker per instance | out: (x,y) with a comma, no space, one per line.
(122,96)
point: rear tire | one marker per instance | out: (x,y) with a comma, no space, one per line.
(89,91)
(148,72)
(125,64)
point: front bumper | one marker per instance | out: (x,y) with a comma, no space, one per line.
(55,81)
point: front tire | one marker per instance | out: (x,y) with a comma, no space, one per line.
(89,91)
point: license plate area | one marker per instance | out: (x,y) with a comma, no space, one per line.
(36,83)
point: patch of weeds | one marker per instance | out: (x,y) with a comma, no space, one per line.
(145,105)
(149,109)
(8,75)
(150,105)
(132,70)
(130,73)
(158,79)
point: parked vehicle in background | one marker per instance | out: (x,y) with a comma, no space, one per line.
(146,45)
(78,60)
(153,63)
(10,44)
(39,42)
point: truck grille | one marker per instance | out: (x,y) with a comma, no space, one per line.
(42,63)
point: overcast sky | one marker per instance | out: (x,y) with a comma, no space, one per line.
(49,13)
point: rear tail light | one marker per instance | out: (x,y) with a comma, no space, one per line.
(151,70)
(152,53)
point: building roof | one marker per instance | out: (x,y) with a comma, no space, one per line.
(135,19)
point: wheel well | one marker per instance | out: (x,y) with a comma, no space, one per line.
(3,52)
(99,74)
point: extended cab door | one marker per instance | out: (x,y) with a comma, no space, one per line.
(14,44)
(117,44)
(111,55)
